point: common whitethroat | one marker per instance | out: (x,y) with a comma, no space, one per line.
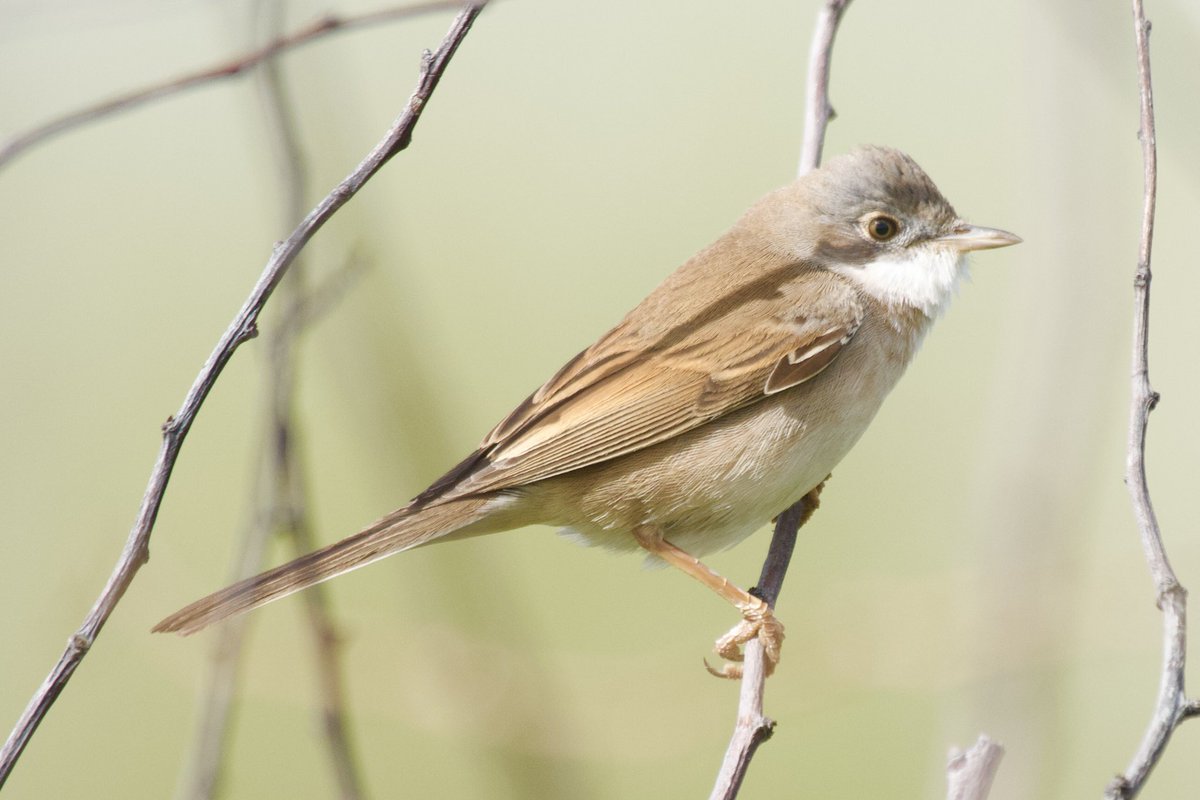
(721,399)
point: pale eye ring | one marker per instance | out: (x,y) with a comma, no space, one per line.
(881,227)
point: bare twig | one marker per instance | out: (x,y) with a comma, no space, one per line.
(243,327)
(817,109)
(753,727)
(202,777)
(290,496)
(294,521)
(314,30)
(326,654)
(280,498)
(276,513)
(969,774)
(1172,705)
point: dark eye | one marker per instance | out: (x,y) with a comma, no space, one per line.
(882,228)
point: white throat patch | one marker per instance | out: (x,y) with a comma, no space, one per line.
(926,279)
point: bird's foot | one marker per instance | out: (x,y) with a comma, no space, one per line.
(758,622)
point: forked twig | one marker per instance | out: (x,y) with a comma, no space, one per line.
(1172,706)
(243,327)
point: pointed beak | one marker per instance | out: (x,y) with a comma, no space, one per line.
(966,237)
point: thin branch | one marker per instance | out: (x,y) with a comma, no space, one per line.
(1172,705)
(279,495)
(326,643)
(969,774)
(282,510)
(243,327)
(753,727)
(817,109)
(317,29)
(290,500)
(202,776)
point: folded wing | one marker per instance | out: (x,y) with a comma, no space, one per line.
(629,391)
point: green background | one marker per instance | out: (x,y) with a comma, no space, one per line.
(974,566)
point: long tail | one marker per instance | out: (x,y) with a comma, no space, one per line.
(400,530)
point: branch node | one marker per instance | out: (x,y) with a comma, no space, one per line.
(79,644)
(1173,595)
(1152,400)
(1118,789)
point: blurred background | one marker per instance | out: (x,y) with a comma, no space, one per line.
(974,566)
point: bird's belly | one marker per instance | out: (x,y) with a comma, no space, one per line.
(712,487)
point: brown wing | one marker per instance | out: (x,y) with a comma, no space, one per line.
(628,391)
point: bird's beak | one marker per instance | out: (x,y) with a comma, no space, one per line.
(966,237)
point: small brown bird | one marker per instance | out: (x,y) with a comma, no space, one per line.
(721,399)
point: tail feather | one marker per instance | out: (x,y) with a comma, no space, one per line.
(401,530)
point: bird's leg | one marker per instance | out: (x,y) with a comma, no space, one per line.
(758,621)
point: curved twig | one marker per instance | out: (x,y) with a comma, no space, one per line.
(1172,706)
(817,110)
(317,29)
(243,327)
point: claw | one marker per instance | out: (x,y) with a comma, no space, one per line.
(758,623)
(731,672)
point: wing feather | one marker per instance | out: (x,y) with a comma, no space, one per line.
(628,392)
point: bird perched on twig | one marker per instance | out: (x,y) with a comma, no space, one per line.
(726,395)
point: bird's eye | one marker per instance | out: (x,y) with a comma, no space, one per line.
(882,227)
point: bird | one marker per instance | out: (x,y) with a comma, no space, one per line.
(727,394)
